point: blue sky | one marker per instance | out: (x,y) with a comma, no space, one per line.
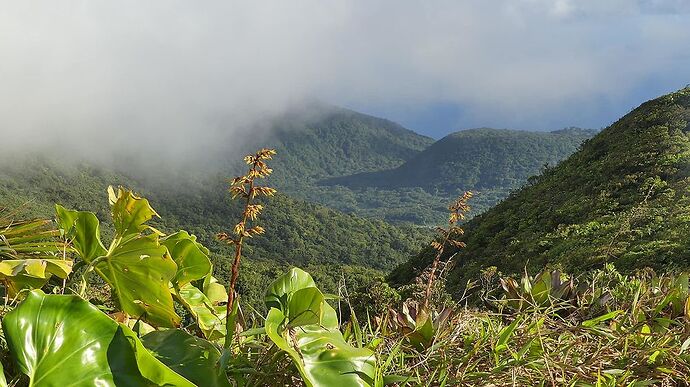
(561,63)
(91,71)
(441,118)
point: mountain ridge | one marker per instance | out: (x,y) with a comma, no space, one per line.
(620,198)
(452,163)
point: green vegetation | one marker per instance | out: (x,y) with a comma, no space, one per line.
(140,302)
(601,329)
(608,330)
(326,242)
(319,144)
(476,159)
(622,198)
(376,169)
(149,274)
(322,142)
(490,162)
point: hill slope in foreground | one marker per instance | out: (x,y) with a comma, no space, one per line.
(622,198)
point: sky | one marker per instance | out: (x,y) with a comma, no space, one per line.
(168,76)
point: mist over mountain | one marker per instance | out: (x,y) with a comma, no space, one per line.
(300,233)
(346,193)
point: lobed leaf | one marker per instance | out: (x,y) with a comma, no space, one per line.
(130,212)
(83,229)
(190,256)
(139,271)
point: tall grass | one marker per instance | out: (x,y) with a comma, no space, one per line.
(612,330)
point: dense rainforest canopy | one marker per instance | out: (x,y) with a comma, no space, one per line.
(623,197)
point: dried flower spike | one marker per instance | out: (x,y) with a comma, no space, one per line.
(457,209)
(244,187)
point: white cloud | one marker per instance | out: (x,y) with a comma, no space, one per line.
(129,72)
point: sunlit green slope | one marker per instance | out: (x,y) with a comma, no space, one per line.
(622,198)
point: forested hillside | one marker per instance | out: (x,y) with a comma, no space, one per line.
(377,169)
(476,159)
(326,241)
(317,142)
(622,198)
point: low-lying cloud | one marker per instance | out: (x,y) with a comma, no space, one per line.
(177,78)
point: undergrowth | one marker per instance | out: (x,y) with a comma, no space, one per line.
(607,329)
(177,325)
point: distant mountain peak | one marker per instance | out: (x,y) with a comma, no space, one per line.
(474,159)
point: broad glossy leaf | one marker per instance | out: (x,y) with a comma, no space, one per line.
(62,340)
(215,292)
(298,298)
(305,307)
(130,212)
(83,229)
(302,324)
(190,256)
(130,263)
(290,282)
(541,288)
(329,318)
(136,266)
(32,273)
(194,358)
(139,272)
(330,361)
(423,334)
(321,355)
(210,317)
(39,268)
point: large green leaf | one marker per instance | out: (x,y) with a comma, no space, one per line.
(277,295)
(136,266)
(215,292)
(83,229)
(210,316)
(321,355)
(305,307)
(190,256)
(301,323)
(22,274)
(139,271)
(194,358)
(60,340)
(295,294)
(130,212)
